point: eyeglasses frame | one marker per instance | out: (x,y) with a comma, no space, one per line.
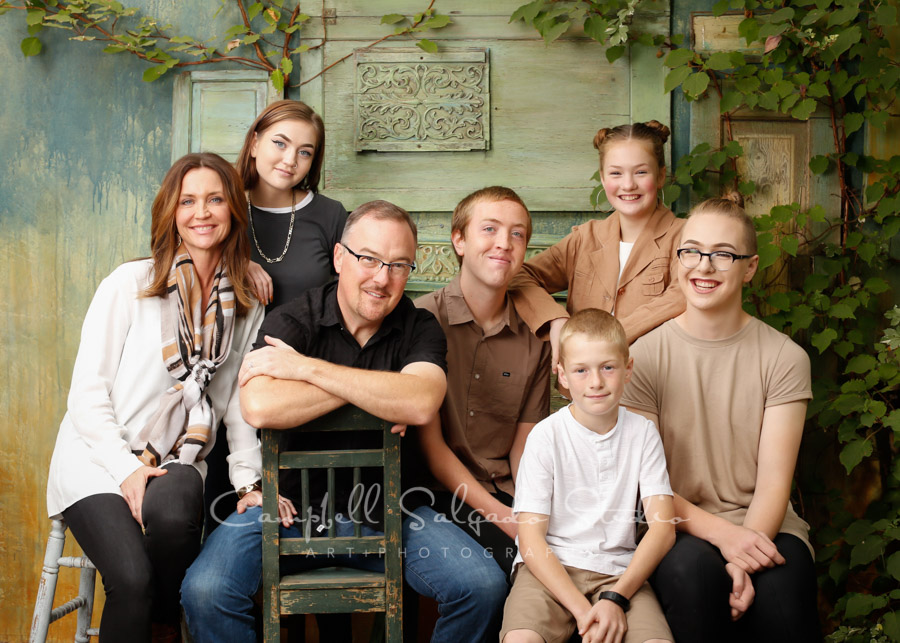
(390,265)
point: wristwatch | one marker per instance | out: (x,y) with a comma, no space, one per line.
(616,598)
(243,491)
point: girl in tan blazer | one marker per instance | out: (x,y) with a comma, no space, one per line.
(625,263)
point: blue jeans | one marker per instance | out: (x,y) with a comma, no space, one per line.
(442,562)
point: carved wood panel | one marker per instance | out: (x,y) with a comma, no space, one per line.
(407,101)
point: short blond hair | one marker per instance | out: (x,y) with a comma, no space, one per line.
(595,324)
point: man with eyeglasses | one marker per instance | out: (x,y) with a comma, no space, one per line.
(729,395)
(357,340)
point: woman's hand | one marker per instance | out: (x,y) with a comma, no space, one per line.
(134,486)
(262,283)
(286,511)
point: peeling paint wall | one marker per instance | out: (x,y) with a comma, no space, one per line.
(84,144)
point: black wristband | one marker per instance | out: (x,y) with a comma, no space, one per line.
(616,598)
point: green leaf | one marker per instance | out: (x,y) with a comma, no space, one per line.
(857,531)
(427,46)
(812,17)
(863,604)
(768,100)
(299,50)
(152,73)
(675,77)
(595,27)
(733,149)
(527,12)
(392,18)
(34,17)
(277,78)
(671,192)
(852,122)
(843,15)
(877,285)
(746,187)
(892,421)
(845,40)
(804,109)
(31,46)
(749,29)
(748,84)
(891,620)
(866,252)
(614,53)
(719,61)
(819,164)
(720,7)
(679,57)
(114,49)
(842,310)
(437,22)
(790,244)
(236,30)
(287,66)
(249,40)
(730,101)
(853,453)
(554,30)
(254,9)
(779,301)
(768,255)
(861,364)
(782,15)
(823,339)
(886,16)
(695,84)
(800,317)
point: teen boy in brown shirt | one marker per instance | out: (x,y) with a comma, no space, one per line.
(498,389)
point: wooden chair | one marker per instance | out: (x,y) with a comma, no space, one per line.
(44,614)
(333,589)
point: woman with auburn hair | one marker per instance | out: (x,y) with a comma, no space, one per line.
(293,228)
(160,350)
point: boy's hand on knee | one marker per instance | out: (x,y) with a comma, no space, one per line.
(742,592)
(604,623)
(749,549)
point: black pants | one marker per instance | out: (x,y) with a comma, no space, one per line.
(692,586)
(142,572)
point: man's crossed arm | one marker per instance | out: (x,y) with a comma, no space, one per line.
(281,389)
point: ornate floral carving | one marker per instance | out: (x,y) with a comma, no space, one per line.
(435,262)
(407,103)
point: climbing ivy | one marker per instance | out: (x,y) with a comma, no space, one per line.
(823,266)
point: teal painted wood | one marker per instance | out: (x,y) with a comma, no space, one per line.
(212,110)
(333,590)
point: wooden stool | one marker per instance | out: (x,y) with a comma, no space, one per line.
(44,614)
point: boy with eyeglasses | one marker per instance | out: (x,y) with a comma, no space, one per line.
(729,396)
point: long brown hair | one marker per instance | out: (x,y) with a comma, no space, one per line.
(278,111)
(164,233)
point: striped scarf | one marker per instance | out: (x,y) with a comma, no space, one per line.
(194,345)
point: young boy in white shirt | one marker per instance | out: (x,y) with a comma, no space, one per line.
(580,476)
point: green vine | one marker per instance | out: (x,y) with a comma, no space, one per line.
(265,38)
(803,59)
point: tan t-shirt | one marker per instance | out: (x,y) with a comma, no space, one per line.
(496,378)
(710,396)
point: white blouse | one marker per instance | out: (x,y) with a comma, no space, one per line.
(117,381)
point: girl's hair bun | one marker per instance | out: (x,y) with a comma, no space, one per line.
(735,197)
(661,130)
(600,136)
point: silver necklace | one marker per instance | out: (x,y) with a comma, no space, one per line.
(256,241)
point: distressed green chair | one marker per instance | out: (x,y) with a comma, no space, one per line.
(333,589)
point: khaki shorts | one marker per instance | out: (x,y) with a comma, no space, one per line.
(531,606)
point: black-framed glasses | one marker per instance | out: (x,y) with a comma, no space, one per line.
(720,260)
(373,264)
